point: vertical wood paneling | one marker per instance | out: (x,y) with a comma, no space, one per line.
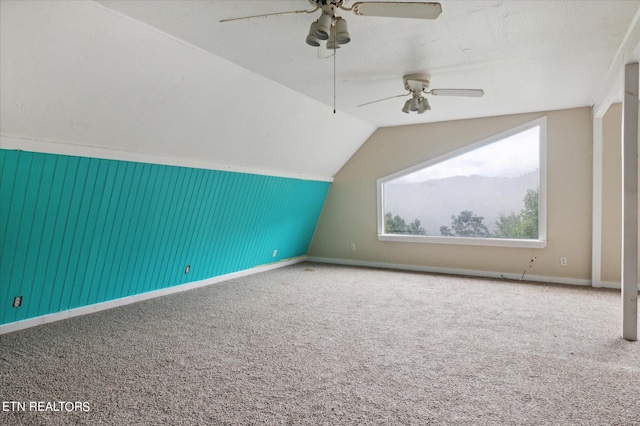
(43,212)
(133,210)
(152,228)
(101,196)
(14,205)
(51,204)
(206,244)
(145,209)
(87,223)
(77,231)
(83,188)
(199,207)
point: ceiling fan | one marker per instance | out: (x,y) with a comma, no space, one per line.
(330,30)
(417,84)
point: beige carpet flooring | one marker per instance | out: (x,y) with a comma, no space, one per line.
(315,344)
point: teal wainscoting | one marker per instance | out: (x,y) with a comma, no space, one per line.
(77,231)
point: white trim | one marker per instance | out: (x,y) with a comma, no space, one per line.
(596,223)
(495,242)
(62,148)
(451,271)
(541,242)
(380,208)
(542,190)
(97,307)
(630,196)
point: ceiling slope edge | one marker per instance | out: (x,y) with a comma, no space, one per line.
(14,143)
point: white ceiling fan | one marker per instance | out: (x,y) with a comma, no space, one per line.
(417,85)
(330,31)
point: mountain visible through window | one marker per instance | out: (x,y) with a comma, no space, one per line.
(490,190)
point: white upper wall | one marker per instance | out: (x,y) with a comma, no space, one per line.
(75,73)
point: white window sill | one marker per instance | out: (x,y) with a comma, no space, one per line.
(494,242)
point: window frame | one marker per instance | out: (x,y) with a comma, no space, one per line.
(540,242)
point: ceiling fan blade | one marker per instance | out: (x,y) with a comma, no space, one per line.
(411,9)
(268,14)
(384,99)
(470,93)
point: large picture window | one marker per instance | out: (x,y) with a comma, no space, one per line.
(492,192)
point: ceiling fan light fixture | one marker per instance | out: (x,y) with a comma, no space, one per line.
(332,44)
(406,106)
(423,105)
(415,103)
(342,32)
(312,40)
(323,27)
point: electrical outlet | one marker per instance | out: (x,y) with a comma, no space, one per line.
(187,269)
(17,301)
(563,261)
(275,253)
(353,246)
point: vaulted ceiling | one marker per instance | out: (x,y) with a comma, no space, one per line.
(168,79)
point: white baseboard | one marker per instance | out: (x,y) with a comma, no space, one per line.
(84,310)
(452,271)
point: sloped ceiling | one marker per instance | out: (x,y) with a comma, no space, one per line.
(78,73)
(167,78)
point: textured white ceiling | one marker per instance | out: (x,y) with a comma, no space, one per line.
(526,55)
(167,78)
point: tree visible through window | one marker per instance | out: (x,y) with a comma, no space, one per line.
(491,190)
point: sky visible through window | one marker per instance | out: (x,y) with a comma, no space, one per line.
(510,157)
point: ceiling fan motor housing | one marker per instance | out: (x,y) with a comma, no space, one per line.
(322,3)
(417,82)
